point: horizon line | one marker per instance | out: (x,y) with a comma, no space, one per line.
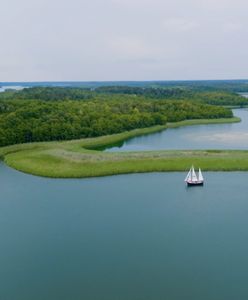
(94,81)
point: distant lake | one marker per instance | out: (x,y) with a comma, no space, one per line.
(244,95)
(4,88)
(143,236)
(212,136)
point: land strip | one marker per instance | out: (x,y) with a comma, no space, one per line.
(82,158)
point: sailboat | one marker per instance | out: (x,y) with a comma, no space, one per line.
(193,179)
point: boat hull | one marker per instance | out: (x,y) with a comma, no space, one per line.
(197,183)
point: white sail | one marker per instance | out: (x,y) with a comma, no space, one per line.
(188,176)
(192,178)
(200,177)
(193,175)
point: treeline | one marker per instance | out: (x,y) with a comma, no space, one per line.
(177,93)
(157,93)
(48,94)
(236,86)
(116,92)
(24,121)
(221,98)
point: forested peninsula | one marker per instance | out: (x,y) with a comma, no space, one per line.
(55,132)
(54,114)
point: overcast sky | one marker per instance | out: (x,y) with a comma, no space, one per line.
(87,40)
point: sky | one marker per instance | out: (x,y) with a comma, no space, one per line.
(102,40)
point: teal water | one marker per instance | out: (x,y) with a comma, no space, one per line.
(141,237)
(214,136)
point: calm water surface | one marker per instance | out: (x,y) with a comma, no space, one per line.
(215,136)
(138,237)
(142,236)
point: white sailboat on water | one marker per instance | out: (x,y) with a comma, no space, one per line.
(194,179)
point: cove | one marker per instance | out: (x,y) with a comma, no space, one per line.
(198,137)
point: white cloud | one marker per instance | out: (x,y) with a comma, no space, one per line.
(232,27)
(177,25)
(134,3)
(131,48)
(96,39)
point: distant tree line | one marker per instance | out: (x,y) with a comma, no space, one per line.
(48,94)
(150,92)
(119,92)
(179,93)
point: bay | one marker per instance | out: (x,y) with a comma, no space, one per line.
(197,137)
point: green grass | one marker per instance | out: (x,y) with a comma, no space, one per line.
(203,121)
(78,158)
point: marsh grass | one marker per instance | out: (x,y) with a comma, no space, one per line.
(79,158)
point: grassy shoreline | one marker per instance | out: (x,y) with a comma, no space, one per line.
(79,158)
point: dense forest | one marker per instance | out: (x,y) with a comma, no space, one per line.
(32,120)
(236,86)
(177,93)
(115,92)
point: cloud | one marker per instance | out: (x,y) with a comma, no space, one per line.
(126,47)
(133,3)
(232,27)
(178,25)
(96,39)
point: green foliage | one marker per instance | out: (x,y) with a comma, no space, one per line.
(23,121)
(221,98)
(46,114)
(187,92)
(48,93)
(150,92)
(177,93)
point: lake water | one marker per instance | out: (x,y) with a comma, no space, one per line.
(143,236)
(244,95)
(215,136)
(139,236)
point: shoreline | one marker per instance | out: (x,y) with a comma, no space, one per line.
(82,158)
